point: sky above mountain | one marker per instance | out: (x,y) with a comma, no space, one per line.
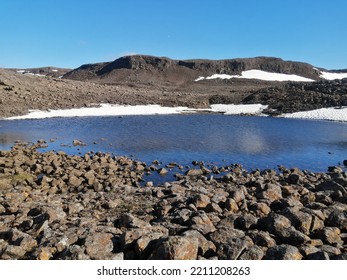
(68,33)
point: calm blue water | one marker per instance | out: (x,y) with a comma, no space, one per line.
(254,142)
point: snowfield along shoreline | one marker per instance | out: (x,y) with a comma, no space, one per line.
(331,114)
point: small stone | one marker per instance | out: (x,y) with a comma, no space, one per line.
(238,196)
(291,236)
(272,192)
(294,179)
(283,252)
(233,248)
(118,256)
(75,208)
(146,241)
(274,222)
(163,171)
(13,252)
(262,238)
(231,205)
(330,250)
(319,255)
(194,172)
(260,209)
(99,245)
(46,253)
(338,218)
(201,201)
(90,177)
(300,220)
(149,184)
(206,247)
(76,142)
(131,221)
(330,235)
(253,253)
(202,223)
(306,250)
(245,221)
(176,248)
(74,181)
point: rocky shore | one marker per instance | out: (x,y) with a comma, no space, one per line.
(95,206)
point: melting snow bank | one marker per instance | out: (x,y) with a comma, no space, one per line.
(246,109)
(332,75)
(123,110)
(259,75)
(331,114)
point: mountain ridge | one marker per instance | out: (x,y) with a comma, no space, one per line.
(135,68)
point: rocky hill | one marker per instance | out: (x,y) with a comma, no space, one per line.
(142,69)
(48,71)
(144,79)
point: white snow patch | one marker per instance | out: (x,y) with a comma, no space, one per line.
(54,70)
(259,75)
(103,110)
(268,76)
(332,76)
(221,76)
(232,109)
(199,79)
(20,71)
(32,74)
(123,110)
(331,114)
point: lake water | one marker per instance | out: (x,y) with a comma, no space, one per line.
(254,142)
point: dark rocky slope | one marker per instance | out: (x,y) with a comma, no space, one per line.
(301,96)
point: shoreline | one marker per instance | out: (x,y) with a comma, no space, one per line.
(106,109)
(56,206)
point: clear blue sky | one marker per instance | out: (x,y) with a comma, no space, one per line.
(68,33)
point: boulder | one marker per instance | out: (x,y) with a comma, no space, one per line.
(231,205)
(245,221)
(99,245)
(194,172)
(205,247)
(202,223)
(262,238)
(283,252)
(233,247)
(319,255)
(176,248)
(146,242)
(300,220)
(253,253)
(271,192)
(338,218)
(201,201)
(274,223)
(330,235)
(130,221)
